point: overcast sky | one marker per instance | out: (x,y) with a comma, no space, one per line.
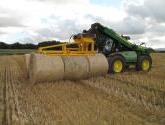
(36,20)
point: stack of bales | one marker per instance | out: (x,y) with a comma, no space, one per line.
(43,68)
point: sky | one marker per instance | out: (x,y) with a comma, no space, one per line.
(33,21)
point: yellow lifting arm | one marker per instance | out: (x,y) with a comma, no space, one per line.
(85,46)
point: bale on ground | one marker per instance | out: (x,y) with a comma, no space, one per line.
(45,68)
(76,67)
(98,65)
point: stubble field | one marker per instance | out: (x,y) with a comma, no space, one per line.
(130,98)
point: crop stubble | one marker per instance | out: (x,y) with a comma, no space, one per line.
(130,98)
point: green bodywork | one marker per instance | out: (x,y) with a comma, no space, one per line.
(130,56)
(133,50)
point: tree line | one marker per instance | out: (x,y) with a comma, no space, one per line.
(18,45)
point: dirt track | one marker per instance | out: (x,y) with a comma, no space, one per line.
(130,98)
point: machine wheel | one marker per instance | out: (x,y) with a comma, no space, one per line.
(144,63)
(116,64)
(127,67)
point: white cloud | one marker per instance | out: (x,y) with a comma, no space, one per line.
(37,20)
(55,16)
(148,9)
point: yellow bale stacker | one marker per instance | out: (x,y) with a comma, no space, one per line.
(67,61)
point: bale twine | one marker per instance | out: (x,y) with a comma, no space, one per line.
(46,68)
(76,67)
(98,65)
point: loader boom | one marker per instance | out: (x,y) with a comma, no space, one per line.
(104,33)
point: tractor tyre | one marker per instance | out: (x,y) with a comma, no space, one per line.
(127,67)
(144,63)
(117,64)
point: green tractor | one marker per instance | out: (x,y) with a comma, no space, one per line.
(119,51)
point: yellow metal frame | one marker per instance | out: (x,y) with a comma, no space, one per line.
(85,47)
(145,65)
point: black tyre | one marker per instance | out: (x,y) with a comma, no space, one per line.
(144,63)
(116,64)
(127,67)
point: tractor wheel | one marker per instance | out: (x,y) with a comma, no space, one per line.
(127,67)
(144,63)
(116,64)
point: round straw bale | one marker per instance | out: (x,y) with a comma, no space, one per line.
(76,67)
(98,65)
(46,68)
